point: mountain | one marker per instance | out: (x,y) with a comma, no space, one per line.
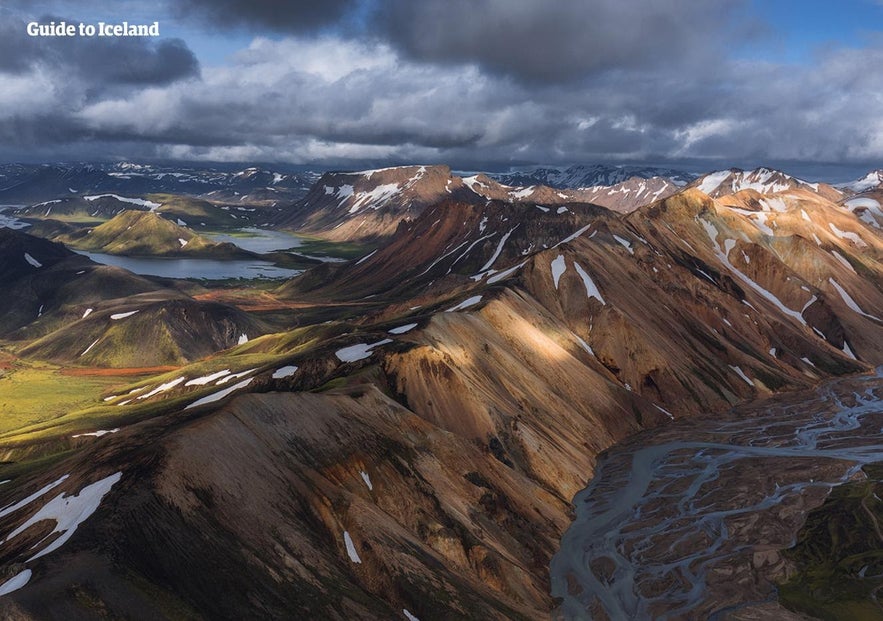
(763,180)
(415,443)
(628,195)
(369,205)
(145,331)
(25,184)
(61,306)
(872,181)
(183,210)
(146,233)
(582,176)
(41,278)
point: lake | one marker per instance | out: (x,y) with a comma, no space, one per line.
(255,240)
(259,240)
(203,269)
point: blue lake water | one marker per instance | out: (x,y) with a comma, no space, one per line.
(204,269)
(260,240)
(257,240)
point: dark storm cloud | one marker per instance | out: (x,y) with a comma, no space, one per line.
(454,81)
(296,16)
(100,61)
(549,40)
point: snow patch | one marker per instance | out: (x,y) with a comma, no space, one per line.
(217,396)
(843,260)
(284,372)
(366,479)
(235,376)
(118,316)
(207,379)
(124,199)
(625,243)
(712,181)
(558,267)
(366,257)
(96,434)
(359,351)
(350,548)
(16,582)
(592,290)
(94,343)
(849,235)
(162,388)
(68,512)
(847,299)
(402,329)
(498,250)
(741,374)
(28,500)
(475,299)
(32,261)
(504,274)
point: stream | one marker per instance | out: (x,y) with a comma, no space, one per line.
(687,521)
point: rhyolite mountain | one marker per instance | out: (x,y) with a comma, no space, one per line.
(369,205)
(764,180)
(412,447)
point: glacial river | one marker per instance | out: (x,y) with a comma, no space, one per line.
(686,522)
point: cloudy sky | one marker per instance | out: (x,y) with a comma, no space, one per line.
(473,83)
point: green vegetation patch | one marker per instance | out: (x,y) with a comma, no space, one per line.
(839,555)
(327,248)
(35,392)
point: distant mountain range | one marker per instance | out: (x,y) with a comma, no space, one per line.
(586,176)
(28,183)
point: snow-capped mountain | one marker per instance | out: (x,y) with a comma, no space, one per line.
(585,176)
(872,181)
(24,183)
(763,180)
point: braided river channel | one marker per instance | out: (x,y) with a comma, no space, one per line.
(689,521)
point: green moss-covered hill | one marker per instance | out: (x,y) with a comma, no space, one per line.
(144,233)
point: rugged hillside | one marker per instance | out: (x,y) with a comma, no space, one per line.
(61,306)
(39,278)
(419,452)
(145,233)
(630,194)
(145,331)
(84,208)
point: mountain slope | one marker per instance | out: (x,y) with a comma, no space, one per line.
(419,452)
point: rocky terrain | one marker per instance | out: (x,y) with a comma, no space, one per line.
(408,440)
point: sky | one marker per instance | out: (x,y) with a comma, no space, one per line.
(476,84)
